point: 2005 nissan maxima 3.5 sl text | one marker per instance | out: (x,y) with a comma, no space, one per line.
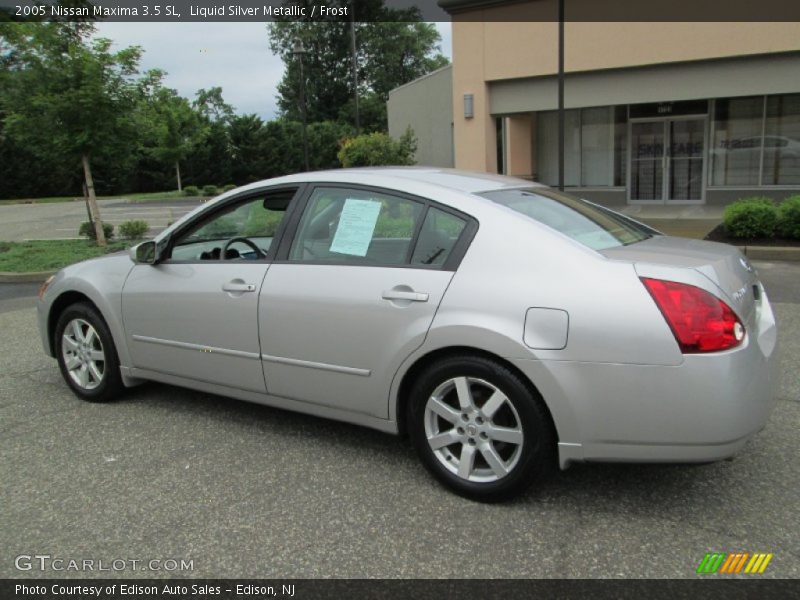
(504,326)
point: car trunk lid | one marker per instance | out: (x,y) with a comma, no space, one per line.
(723,264)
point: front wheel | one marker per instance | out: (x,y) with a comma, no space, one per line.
(86,354)
(479,428)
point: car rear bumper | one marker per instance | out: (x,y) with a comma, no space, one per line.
(704,409)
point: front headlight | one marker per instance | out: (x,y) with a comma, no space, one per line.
(45,285)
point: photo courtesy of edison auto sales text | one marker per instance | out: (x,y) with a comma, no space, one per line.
(130,589)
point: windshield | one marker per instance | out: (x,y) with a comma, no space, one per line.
(591,225)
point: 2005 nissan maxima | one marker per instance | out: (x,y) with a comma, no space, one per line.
(502,325)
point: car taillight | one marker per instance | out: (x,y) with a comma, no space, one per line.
(700,321)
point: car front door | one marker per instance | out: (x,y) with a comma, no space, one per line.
(193,315)
(353,292)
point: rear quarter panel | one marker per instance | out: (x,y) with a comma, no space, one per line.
(515,264)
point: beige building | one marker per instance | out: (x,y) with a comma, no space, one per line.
(656,112)
(426,105)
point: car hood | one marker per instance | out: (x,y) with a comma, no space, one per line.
(723,264)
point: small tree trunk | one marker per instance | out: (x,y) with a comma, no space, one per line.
(93,210)
(86,202)
(178,175)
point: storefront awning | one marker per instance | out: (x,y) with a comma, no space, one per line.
(723,78)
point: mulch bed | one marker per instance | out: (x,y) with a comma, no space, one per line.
(718,234)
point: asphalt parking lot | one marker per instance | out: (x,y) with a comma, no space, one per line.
(248,491)
(19,222)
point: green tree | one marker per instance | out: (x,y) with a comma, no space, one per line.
(210,104)
(282,154)
(176,128)
(398,53)
(69,97)
(324,140)
(210,160)
(393,48)
(247,140)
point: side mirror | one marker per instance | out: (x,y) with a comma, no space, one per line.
(144,253)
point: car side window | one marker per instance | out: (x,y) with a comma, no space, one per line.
(356,226)
(439,234)
(254,222)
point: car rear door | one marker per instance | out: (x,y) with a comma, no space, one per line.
(353,293)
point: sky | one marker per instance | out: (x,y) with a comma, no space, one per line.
(235,56)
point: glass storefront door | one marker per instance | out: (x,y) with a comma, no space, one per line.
(647,160)
(667,160)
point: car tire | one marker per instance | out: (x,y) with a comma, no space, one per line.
(86,354)
(480,428)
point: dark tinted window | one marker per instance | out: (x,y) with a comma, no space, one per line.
(440,232)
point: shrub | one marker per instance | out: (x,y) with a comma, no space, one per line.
(751,218)
(87,230)
(789,217)
(191,190)
(210,190)
(374,149)
(133,230)
(229,187)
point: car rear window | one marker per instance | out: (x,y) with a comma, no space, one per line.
(591,225)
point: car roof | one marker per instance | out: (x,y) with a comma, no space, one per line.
(454,179)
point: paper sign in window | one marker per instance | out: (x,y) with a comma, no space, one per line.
(356,227)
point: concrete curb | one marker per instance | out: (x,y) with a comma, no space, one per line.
(787,253)
(180,200)
(31,277)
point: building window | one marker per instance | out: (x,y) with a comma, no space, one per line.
(751,147)
(594,152)
(736,150)
(597,146)
(782,141)
(620,145)
(547,148)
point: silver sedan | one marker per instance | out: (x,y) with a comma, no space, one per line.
(504,326)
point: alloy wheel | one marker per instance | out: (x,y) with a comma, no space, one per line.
(473,429)
(83,354)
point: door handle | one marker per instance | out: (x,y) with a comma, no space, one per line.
(238,286)
(403,295)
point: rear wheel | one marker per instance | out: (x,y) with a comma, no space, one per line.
(479,428)
(86,354)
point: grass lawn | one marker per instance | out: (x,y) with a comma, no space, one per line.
(135,197)
(49,255)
